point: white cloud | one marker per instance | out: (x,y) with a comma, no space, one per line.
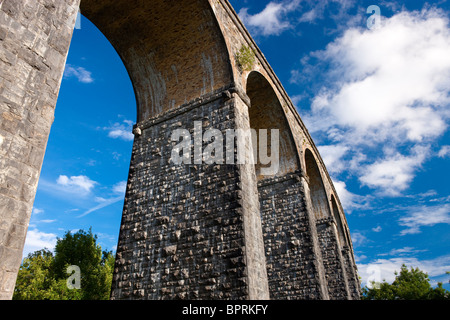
(358,239)
(119,193)
(425,216)
(123,131)
(444,152)
(385,89)
(359,258)
(332,156)
(121,134)
(402,252)
(80,73)
(103,203)
(99,199)
(310,16)
(47,220)
(384,269)
(37,240)
(270,21)
(350,201)
(345,196)
(394,173)
(392,82)
(76,183)
(36,211)
(377,229)
(120,187)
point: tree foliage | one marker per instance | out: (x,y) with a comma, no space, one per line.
(411,284)
(43,276)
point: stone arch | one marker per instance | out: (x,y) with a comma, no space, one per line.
(266,112)
(178,57)
(173,228)
(318,193)
(339,225)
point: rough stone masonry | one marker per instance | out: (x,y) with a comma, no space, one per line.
(190,231)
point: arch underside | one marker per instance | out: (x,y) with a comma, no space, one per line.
(173,53)
(319,197)
(289,248)
(267,113)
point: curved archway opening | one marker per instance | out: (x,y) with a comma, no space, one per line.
(266,113)
(339,225)
(319,198)
(120,70)
(85,168)
(173,53)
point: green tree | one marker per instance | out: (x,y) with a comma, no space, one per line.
(44,275)
(81,249)
(36,281)
(411,284)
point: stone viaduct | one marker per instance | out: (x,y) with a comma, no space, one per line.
(216,231)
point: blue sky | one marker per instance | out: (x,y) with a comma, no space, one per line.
(375,100)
